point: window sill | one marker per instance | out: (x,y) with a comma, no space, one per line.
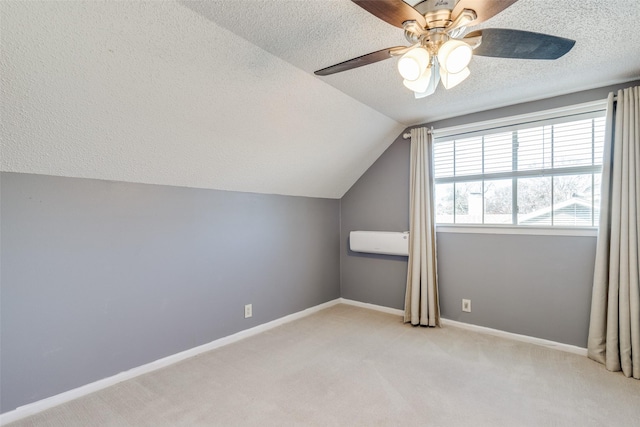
(505,229)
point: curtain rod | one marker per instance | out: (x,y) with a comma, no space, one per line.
(408,135)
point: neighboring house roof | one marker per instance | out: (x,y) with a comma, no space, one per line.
(575,212)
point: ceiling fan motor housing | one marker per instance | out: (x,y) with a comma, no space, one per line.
(427,6)
(430,38)
(438,18)
(437,13)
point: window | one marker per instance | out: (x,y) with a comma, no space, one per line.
(532,173)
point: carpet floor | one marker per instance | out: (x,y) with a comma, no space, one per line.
(349,366)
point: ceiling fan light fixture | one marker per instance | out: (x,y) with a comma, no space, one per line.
(434,79)
(421,83)
(450,80)
(454,56)
(412,64)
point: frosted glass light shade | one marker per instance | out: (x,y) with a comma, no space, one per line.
(450,80)
(454,56)
(421,83)
(412,64)
(434,79)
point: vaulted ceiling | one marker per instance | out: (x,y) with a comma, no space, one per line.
(221,94)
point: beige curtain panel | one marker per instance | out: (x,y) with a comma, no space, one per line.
(421,305)
(614,331)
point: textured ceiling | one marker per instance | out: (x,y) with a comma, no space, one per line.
(152,92)
(221,94)
(314,34)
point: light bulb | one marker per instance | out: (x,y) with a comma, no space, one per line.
(450,80)
(412,64)
(454,56)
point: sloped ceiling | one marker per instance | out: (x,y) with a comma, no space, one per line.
(152,92)
(221,94)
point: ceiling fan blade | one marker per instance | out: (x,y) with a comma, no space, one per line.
(484,9)
(395,12)
(367,59)
(502,43)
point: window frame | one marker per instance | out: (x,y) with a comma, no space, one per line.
(512,123)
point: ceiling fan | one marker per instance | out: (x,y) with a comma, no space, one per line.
(439,49)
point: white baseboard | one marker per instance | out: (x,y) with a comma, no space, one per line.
(58,399)
(517,337)
(50,402)
(481,329)
(371,306)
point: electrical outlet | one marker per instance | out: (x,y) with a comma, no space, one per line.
(248,311)
(466,305)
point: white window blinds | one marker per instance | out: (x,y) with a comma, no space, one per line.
(544,172)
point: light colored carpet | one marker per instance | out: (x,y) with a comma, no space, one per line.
(348,366)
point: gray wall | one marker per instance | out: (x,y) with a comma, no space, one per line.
(99,277)
(378,201)
(538,286)
(534,285)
